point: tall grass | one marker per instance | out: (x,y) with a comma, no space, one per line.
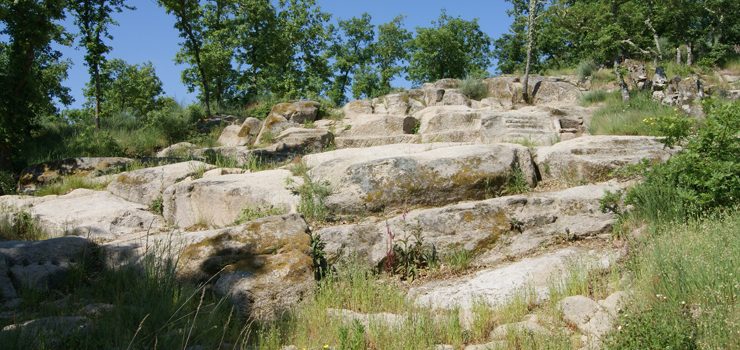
(619,118)
(68,184)
(150,309)
(686,284)
(18,225)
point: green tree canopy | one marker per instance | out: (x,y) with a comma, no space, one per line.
(127,88)
(451,48)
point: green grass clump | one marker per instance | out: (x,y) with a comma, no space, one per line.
(19,226)
(619,118)
(593,97)
(68,184)
(250,214)
(474,89)
(586,69)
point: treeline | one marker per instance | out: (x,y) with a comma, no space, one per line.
(569,32)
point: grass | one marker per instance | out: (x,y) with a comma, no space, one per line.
(619,118)
(686,283)
(157,206)
(313,196)
(70,183)
(18,225)
(474,89)
(250,214)
(595,96)
(150,309)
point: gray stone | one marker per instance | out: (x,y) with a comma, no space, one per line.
(179,150)
(146,185)
(383,319)
(524,327)
(218,201)
(586,315)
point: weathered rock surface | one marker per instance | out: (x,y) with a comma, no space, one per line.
(39,265)
(217,201)
(241,135)
(178,150)
(496,229)
(407,174)
(293,142)
(286,115)
(586,315)
(263,266)
(593,158)
(98,215)
(368,130)
(499,285)
(527,327)
(45,173)
(146,185)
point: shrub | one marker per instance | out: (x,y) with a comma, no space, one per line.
(157,205)
(705,176)
(586,69)
(474,89)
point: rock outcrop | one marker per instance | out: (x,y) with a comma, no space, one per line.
(97,215)
(593,158)
(46,173)
(371,179)
(218,201)
(146,185)
(263,266)
(241,135)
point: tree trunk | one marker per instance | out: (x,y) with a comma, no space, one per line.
(689,55)
(622,84)
(96,77)
(656,39)
(678,55)
(530,43)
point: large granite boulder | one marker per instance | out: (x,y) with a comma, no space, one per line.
(371,179)
(294,142)
(42,174)
(494,230)
(264,267)
(97,215)
(218,201)
(147,185)
(593,158)
(240,135)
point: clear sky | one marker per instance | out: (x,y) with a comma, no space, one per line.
(147,33)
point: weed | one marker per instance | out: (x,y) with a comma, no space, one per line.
(157,205)
(299,169)
(309,124)
(267,137)
(585,69)
(408,255)
(458,259)
(352,338)
(19,225)
(611,202)
(593,97)
(313,199)
(516,182)
(250,214)
(318,256)
(68,184)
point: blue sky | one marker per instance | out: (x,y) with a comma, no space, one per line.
(147,33)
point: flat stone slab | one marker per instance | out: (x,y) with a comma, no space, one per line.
(97,215)
(499,285)
(146,185)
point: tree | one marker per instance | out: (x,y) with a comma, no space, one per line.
(189,20)
(127,88)
(391,52)
(93,17)
(531,20)
(451,48)
(352,48)
(31,72)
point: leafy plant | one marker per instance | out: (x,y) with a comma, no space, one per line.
(157,205)
(318,256)
(352,338)
(408,255)
(610,202)
(675,128)
(516,182)
(313,199)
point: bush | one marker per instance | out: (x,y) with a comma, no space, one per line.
(474,89)
(704,177)
(586,69)
(593,97)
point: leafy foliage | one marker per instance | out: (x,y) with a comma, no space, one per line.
(451,48)
(702,178)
